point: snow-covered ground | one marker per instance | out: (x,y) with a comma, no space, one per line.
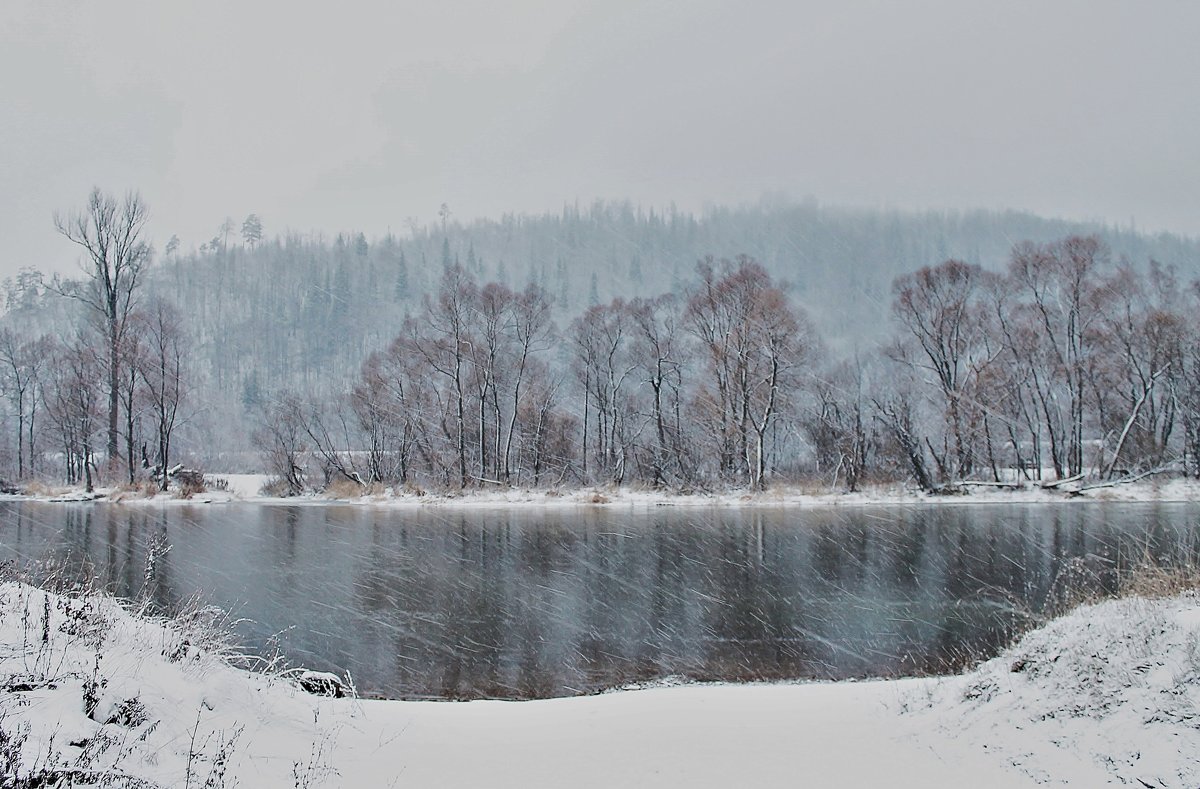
(1107,694)
(224,488)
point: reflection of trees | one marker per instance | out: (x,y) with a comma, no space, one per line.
(749,620)
(473,618)
(282,526)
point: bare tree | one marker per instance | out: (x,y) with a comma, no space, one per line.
(1189,388)
(448,317)
(386,408)
(784,341)
(943,309)
(895,412)
(711,319)
(332,442)
(110,233)
(23,362)
(281,436)
(1061,280)
(531,329)
(604,366)
(838,425)
(753,341)
(490,321)
(134,350)
(1141,338)
(164,372)
(73,404)
(660,356)
(546,433)
(1027,387)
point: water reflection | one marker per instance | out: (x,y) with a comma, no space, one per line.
(513,604)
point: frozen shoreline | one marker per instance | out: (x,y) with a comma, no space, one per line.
(1106,694)
(245,488)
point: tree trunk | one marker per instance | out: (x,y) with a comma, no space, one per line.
(87,465)
(461,418)
(129,436)
(114,397)
(20,434)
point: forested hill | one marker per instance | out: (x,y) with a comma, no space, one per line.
(291,312)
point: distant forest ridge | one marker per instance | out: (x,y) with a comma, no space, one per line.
(838,262)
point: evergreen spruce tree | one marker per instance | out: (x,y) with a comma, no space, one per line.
(402,278)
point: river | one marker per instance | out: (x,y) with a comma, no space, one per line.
(440,602)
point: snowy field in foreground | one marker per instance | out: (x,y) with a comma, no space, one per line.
(1108,694)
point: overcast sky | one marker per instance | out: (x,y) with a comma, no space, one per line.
(361,114)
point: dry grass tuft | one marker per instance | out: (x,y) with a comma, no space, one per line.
(275,488)
(807,487)
(142,489)
(342,488)
(1151,579)
(376,489)
(189,488)
(40,489)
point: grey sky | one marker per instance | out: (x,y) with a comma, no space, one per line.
(362,113)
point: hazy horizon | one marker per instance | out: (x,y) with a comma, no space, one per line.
(373,116)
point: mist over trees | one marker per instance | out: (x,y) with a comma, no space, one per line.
(609,346)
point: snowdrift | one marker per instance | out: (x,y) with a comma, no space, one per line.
(90,691)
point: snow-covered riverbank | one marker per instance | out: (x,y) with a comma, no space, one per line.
(1107,694)
(226,488)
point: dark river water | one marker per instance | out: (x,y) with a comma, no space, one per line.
(514,603)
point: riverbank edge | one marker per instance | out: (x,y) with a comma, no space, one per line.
(246,488)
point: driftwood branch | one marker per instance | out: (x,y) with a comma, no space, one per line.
(979,483)
(1112,483)
(1065,481)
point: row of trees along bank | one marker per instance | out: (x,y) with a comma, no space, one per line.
(87,401)
(1064,364)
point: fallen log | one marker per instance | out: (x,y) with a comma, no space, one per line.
(1063,481)
(980,483)
(1112,483)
